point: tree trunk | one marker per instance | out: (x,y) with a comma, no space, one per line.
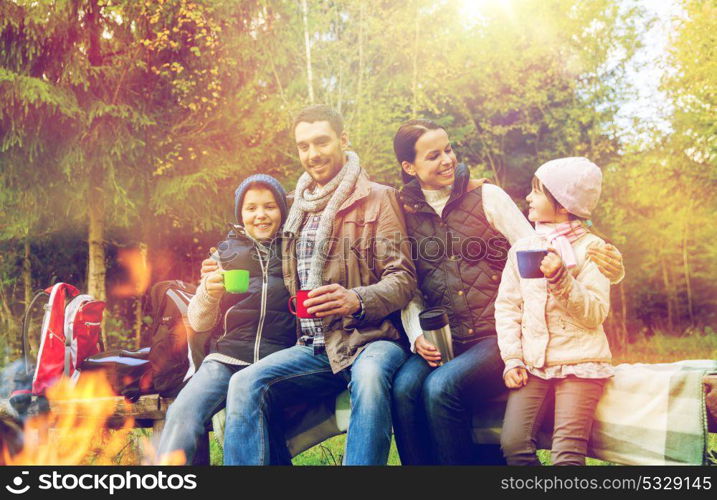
(95,192)
(623,307)
(10,327)
(97,269)
(668,295)
(686,266)
(414,86)
(144,252)
(307,42)
(361,69)
(27,274)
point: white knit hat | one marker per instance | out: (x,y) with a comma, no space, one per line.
(574,182)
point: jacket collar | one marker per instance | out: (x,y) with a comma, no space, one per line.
(411,193)
(238,232)
(361,190)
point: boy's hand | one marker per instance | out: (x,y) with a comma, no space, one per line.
(516,378)
(209,265)
(427,351)
(214,285)
(551,263)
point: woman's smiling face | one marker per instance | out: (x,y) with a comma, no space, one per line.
(435,162)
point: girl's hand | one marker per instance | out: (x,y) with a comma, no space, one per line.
(427,351)
(209,265)
(516,377)
(214,285)
(551,263)
(608,261)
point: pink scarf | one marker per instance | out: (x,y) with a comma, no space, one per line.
(560,236)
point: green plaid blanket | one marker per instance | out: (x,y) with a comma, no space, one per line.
(653,414)
(649,414)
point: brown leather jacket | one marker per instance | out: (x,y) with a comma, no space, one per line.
(369,253)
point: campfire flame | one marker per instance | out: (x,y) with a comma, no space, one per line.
(74,432)
(139,271)
(176,457)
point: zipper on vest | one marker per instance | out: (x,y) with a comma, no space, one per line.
(262,308)
(262,311)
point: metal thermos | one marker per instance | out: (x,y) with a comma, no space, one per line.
(435,326)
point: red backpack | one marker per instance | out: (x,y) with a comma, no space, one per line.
(70,333)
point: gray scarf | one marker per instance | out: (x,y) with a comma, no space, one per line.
(328,198)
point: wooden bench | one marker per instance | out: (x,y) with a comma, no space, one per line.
(150,412)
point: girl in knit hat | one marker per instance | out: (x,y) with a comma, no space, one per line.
(550,330)
(249,325)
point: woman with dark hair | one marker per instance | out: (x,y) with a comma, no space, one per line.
(462,229)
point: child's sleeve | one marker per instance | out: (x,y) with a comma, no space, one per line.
(509,315)
(203,309)
(586,299)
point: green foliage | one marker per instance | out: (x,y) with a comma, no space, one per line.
(161,108)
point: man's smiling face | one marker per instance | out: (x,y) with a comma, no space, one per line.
(321,150)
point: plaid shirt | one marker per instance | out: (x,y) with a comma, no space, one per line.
(312,329)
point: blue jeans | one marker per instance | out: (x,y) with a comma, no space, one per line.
(195,404)
(296,375)
(433,407)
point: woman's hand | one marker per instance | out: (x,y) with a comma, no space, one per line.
(608,261)
(214,285)
(427,351)
(516,377)
(209,265)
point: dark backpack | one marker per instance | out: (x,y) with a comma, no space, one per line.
(174,353)
(176,350)
(127,371)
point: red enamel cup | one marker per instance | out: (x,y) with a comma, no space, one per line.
(298,308)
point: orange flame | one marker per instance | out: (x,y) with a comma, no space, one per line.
(135,262)
(176,457)
(74,431)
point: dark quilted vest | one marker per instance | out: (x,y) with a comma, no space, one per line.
(459,256)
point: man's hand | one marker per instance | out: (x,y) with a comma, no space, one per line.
(516,377)
(608,261)
(551,263)
(332,299)
(209,265)
(427,351)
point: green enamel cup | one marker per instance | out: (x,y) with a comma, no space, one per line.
(236,280)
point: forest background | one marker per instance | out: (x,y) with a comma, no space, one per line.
(126,125)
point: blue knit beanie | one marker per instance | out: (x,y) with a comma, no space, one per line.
(266,181)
